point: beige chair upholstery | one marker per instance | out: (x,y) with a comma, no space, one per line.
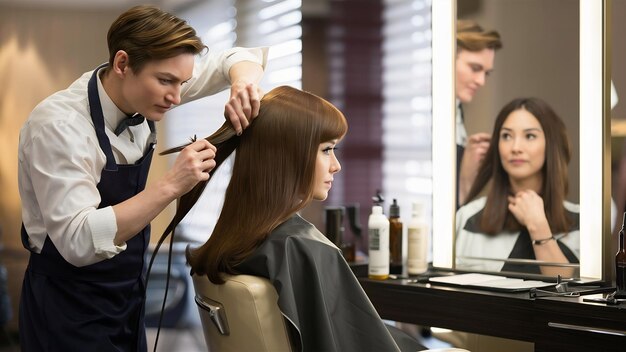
(241,315)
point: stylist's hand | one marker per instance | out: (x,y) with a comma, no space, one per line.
(475,151)
(243,105)
(191,166)
(527,207)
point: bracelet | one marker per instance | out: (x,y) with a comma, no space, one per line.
(542,241)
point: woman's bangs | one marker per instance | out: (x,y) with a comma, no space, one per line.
(333,124)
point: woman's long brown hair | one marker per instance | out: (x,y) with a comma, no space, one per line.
(225,141)
(496,217)
(272,176)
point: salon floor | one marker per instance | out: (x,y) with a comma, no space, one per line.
(183,340)
(192,340)
(188,339)
(170,340)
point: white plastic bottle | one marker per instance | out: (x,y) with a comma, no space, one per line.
(417,258)
(378,230)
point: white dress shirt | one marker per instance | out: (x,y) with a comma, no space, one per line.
(461,133)
(60,160)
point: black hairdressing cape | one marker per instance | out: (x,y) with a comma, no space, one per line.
(317,291)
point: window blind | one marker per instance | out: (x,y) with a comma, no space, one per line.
(225,24)
(406,130)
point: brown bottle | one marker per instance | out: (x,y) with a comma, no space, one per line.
(335,232)
(395,235)
(620,265)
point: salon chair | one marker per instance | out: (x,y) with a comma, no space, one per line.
(241,315)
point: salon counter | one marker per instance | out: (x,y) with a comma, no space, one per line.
(552,323)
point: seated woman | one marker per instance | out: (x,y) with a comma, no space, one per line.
(524,214)
(284,160)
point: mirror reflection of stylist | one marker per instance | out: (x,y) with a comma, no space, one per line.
(474,62)
(85,206)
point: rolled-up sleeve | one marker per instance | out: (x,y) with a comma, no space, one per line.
(211,71)
(103,226)
(59,172)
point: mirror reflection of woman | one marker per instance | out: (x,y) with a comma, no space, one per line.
(524,214)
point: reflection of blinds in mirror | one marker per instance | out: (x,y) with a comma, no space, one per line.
(224,24)
(407,73)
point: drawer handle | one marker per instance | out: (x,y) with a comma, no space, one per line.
(587,329)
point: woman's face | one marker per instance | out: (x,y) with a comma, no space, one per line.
(472,69)
(325,168)
(522,148)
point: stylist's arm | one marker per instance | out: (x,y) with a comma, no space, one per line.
(475,151)
(191,166)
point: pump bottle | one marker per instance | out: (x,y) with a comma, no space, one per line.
(620,265)
(378,230)
(417,261)
(395,235)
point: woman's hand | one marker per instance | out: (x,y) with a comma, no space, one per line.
(527,207)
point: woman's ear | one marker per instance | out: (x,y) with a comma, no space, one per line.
(120,63)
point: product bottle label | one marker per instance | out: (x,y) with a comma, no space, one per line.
(378,251)
(374,239)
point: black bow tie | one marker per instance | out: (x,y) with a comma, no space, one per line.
(127,122)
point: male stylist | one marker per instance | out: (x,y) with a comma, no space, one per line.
(476,50)
(85,209)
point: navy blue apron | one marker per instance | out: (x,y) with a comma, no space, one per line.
(98,307)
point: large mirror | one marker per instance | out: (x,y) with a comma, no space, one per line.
(618,116)
(552,50)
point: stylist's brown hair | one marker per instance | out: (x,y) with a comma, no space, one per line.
(471,36)
(147,33)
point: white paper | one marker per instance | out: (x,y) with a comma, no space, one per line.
(489,281)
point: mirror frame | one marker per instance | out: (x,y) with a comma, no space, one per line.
(595,256)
